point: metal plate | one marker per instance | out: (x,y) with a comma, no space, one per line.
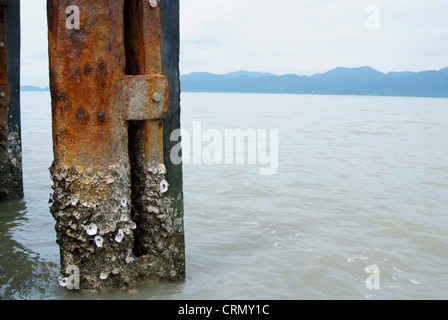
(145,97)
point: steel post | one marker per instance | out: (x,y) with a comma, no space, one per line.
(119,224)
(11,185)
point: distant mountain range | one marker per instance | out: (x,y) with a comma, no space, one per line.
(33,88)
(339,81)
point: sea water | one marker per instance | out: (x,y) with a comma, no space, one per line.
(361,185)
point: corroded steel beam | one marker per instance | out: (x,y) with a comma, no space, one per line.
(4,85)
(117,224)
(11,185)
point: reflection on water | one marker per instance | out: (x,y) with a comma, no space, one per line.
(22,273)
(362,181)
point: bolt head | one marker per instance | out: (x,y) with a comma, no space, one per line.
(157,97)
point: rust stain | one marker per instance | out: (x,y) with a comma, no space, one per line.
(142,28)
(84,74)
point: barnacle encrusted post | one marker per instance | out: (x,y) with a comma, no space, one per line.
(119,223)
(11,183)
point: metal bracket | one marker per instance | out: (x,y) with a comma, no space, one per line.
(145,97)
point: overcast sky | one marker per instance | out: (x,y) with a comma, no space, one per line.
(284,36)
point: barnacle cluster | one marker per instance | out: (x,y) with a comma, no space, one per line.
(153,213)
(118,234)
(87,206)
(10,165)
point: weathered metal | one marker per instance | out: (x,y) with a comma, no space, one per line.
(11,185)
(145,97)
(4,85)
(116,221)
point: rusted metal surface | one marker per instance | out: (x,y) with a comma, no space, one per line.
(11,185)
(142,25)
(145,97)
(4,105)
(4,85)
(4,95)
(142,43)
(86,66)
(115,220)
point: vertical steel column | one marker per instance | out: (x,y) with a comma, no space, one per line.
(170,51)
(11,185)
(4,85)
(116,224)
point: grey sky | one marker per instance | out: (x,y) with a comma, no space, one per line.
(283,36)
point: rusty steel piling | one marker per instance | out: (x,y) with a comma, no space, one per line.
(11,184)
(117,199)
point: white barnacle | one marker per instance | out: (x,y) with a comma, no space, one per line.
(129,259)
(99,241)
(152,209)
(124,202)
(124,218)
(74,201)
(161,168)
(152,169)
(110,180)
(104,275)
(164,186)
(92,230)
(120,236)
(77,215)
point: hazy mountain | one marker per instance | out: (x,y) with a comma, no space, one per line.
(337,74)
(349,81)
(444,70)
(33,88)
(394,74)
(249,74)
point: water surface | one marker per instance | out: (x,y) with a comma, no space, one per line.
(361,181)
